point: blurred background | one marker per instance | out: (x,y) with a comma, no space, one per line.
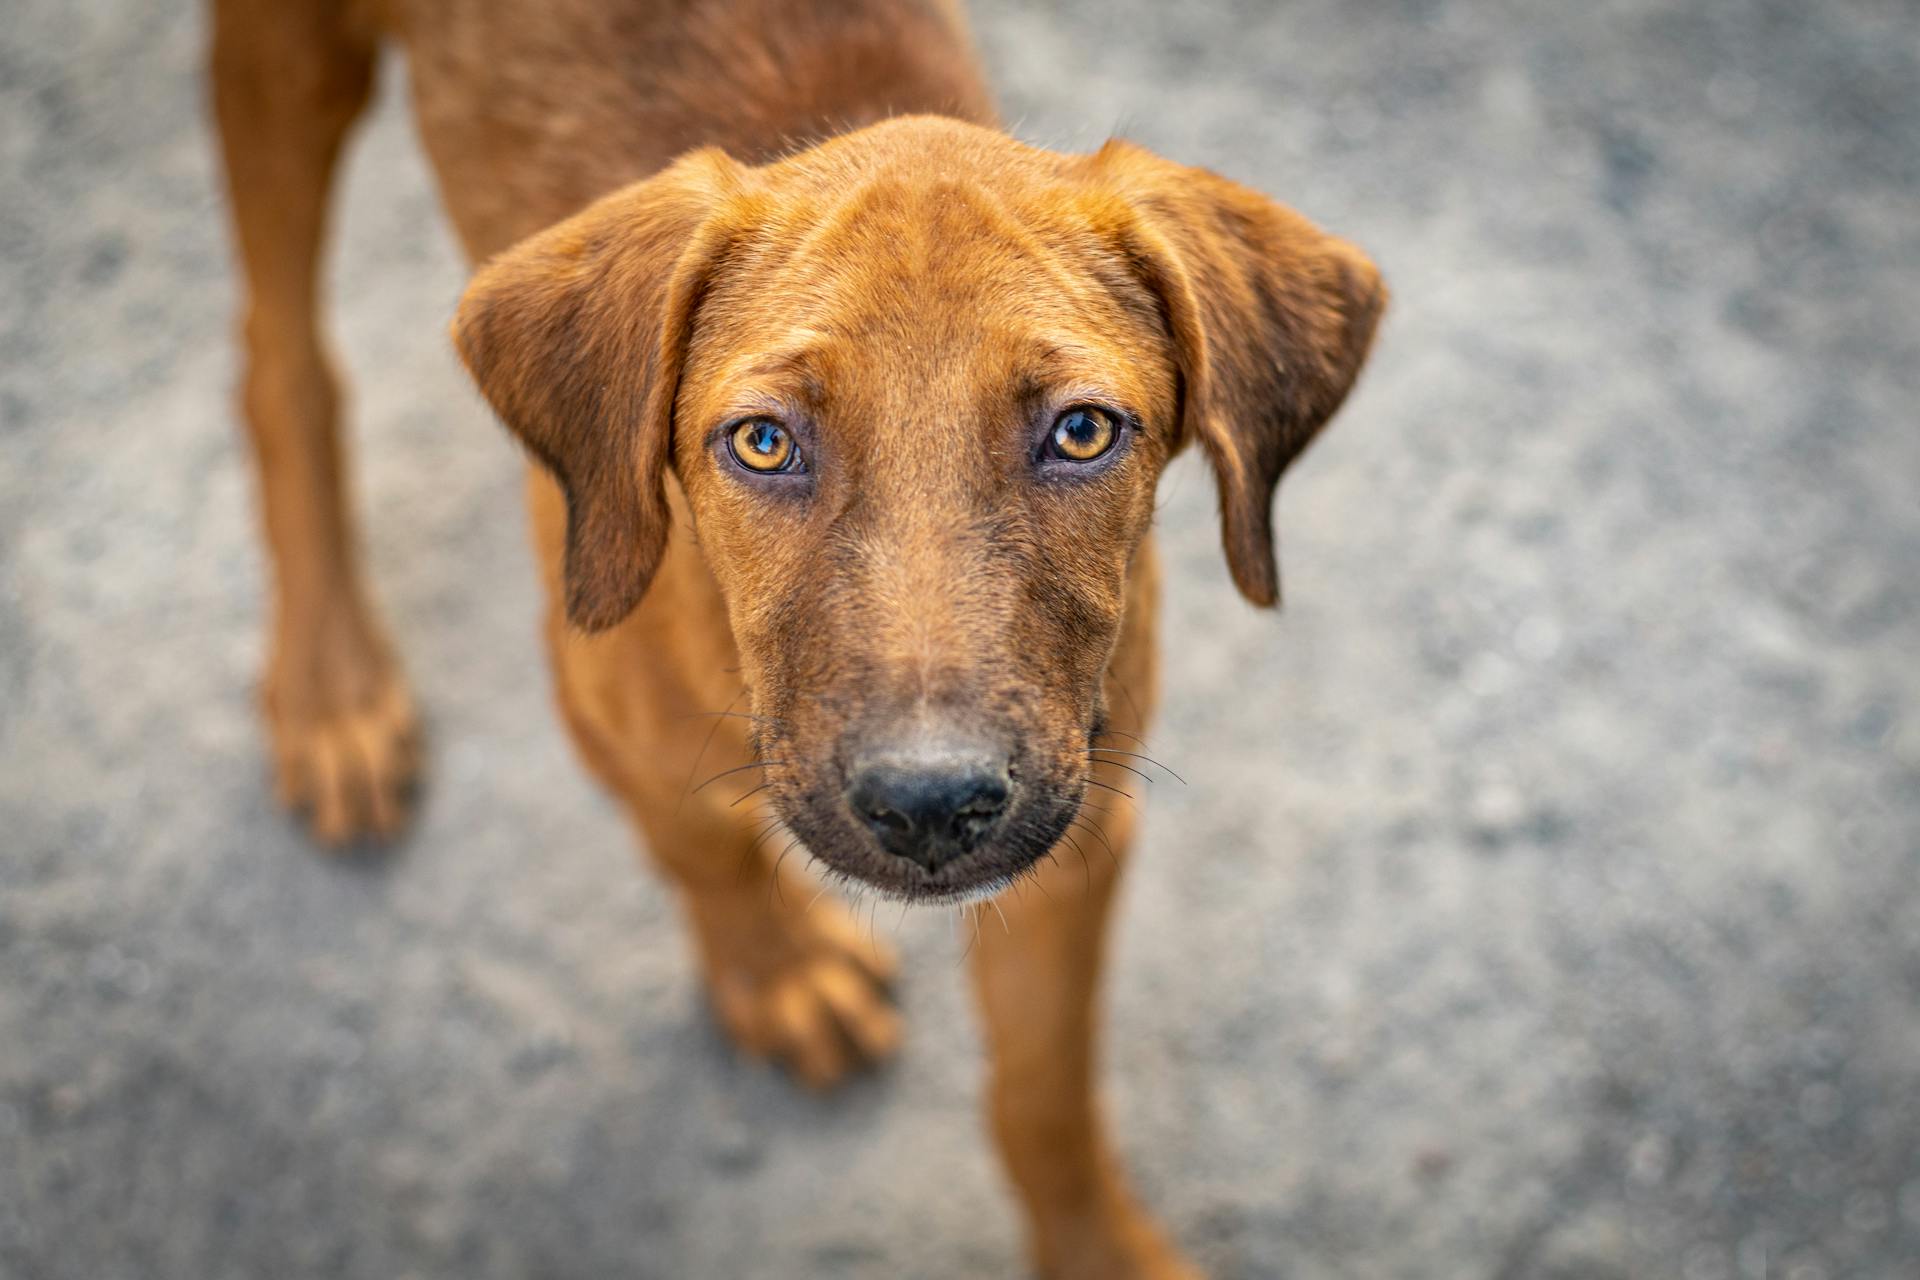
(1545,898)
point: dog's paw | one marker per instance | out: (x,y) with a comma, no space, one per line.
(346,762)
(1117,1242)
(806,989)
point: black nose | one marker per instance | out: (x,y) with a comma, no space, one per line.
(929,803)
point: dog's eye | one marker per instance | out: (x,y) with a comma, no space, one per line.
(1083,434)
(763,445)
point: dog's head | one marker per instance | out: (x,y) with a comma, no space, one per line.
(918,384)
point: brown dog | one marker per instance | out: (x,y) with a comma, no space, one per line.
(901,397)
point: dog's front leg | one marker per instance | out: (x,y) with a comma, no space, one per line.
(290,77)
(1038,977)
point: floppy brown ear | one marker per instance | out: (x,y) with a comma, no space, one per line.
(1271,319)
(575,337)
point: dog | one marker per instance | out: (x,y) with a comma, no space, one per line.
(845,412)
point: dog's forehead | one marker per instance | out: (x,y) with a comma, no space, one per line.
(939,254)
(922,203)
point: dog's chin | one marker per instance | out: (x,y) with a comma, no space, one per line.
(933,889)
(855,859)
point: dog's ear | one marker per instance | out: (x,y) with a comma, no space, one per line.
(576,337)
(1270,319)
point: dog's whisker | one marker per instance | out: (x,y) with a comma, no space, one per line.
(741,768)
(1095,782)
(702,755)
(1087,824)
(732,715)
(774,886)
(757,843)
(817,895)
(1138,756)
(1099,835)
(1118,733)
(763,786)
(1084,864)
(972,913)
(1148,779)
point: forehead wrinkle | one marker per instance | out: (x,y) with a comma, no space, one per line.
(797,366)
(802,362)
(1068,359)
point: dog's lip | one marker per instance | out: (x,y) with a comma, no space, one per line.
(908,882)
(858,859)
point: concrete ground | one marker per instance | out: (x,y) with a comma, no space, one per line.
(1545,901)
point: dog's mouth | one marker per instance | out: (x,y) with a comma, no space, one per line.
(979,875)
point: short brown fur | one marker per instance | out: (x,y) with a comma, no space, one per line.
(917,297)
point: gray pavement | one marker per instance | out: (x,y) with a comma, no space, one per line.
(1545,901)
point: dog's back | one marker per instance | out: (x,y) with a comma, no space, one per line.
(531,108)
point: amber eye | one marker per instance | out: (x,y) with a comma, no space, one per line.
(1083,434)
(761,444)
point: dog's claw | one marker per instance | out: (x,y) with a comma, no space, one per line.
(817,1002)
(350,770)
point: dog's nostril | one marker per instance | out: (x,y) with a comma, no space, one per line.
(932,803)
(981,810)
(888,819)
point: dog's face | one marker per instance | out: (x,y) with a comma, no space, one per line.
(918,385)
(920,445)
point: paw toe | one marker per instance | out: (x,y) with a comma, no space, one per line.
(350,772)
(821,1015)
